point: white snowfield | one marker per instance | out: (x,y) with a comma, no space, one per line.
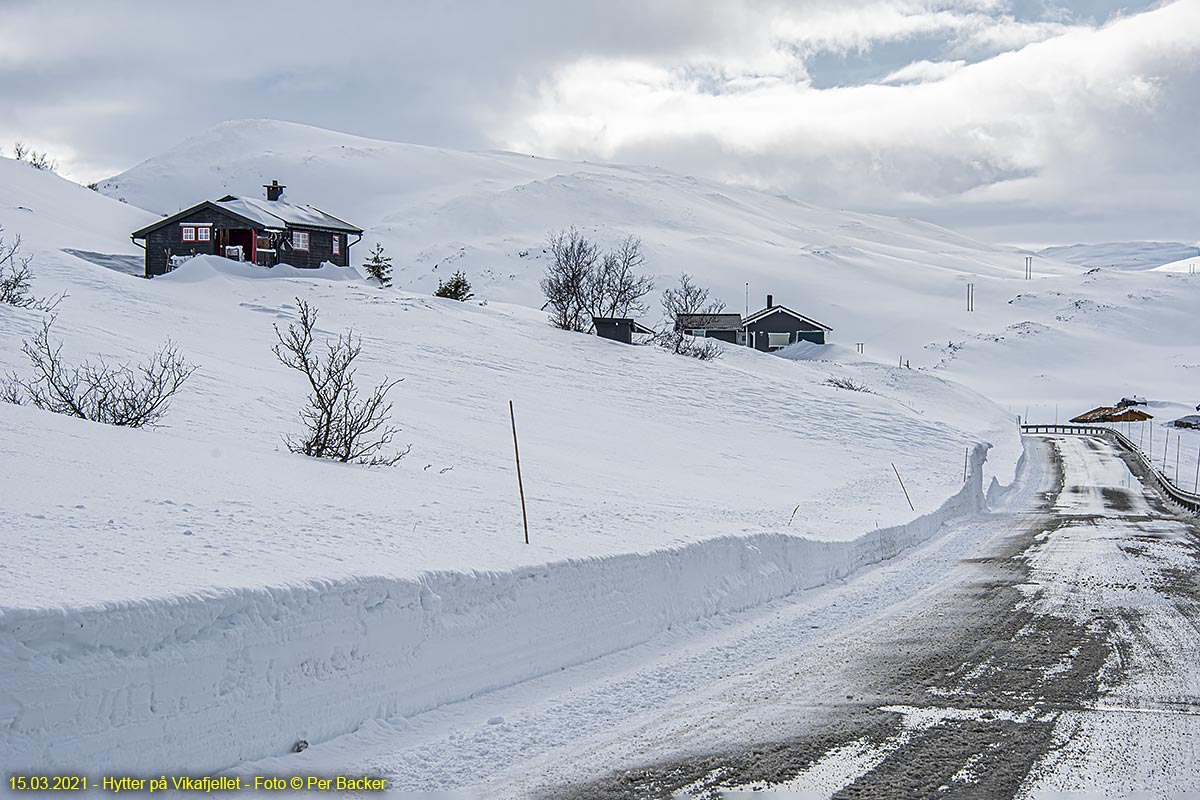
(197,582)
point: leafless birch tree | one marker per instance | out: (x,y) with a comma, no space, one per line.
(340,423)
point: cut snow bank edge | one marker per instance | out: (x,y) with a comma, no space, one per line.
(135,688)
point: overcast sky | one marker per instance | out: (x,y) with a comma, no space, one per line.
(1025,121)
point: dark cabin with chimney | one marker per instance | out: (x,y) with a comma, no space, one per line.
(778,326)
(262,232)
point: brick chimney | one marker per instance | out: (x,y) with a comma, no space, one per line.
(770,301)
(274,190)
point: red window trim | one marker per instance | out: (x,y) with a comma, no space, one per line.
(307,238)
(195,228)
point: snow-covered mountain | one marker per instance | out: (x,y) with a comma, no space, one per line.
(897,286)
(1122,255)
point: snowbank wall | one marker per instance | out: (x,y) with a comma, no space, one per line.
(200,683)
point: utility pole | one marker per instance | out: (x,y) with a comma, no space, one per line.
(747,298)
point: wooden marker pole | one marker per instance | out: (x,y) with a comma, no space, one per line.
(1166,450)
(966,457)
(517,453)
(1177,480)
(906,497)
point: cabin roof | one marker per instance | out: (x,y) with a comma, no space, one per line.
(711,322)
(270,213)
(255,213)
(766,312)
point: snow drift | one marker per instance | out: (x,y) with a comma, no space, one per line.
(138,686)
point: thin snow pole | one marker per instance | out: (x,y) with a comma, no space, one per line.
(1196,488)
(1177,459)
(517,453)
(1166,449)
(966,456)
(906,497)
(794,510)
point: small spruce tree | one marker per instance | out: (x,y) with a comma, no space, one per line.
(456,288)
(379,265)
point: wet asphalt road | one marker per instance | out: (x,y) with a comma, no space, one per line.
(1061,662)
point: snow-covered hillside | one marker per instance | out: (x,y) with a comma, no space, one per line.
(1122,255)
(199,582)
(1065,339)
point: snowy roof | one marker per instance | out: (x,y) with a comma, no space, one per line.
(766,312)
(261,213)
(276,213)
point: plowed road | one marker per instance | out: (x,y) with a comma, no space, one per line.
(1049,648)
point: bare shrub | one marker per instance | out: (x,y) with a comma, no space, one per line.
(615,288)
(687,306)
(339,423)
(115,395)
(581,283)
(21,152)
(16,279)
(848,383)
(573,257)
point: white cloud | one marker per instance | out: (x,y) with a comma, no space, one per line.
(1048,124)
(947,108)
(924,71)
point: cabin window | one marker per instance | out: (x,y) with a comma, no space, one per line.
(778,339)
(299,240)
(337,244)
(203,234)
(189,233)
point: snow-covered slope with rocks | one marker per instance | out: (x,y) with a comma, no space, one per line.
(198,583)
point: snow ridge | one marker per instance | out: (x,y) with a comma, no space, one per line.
(135,685)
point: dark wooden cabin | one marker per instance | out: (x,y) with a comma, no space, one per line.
(778,326)
(619,329)
(263,232)
(726,327)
